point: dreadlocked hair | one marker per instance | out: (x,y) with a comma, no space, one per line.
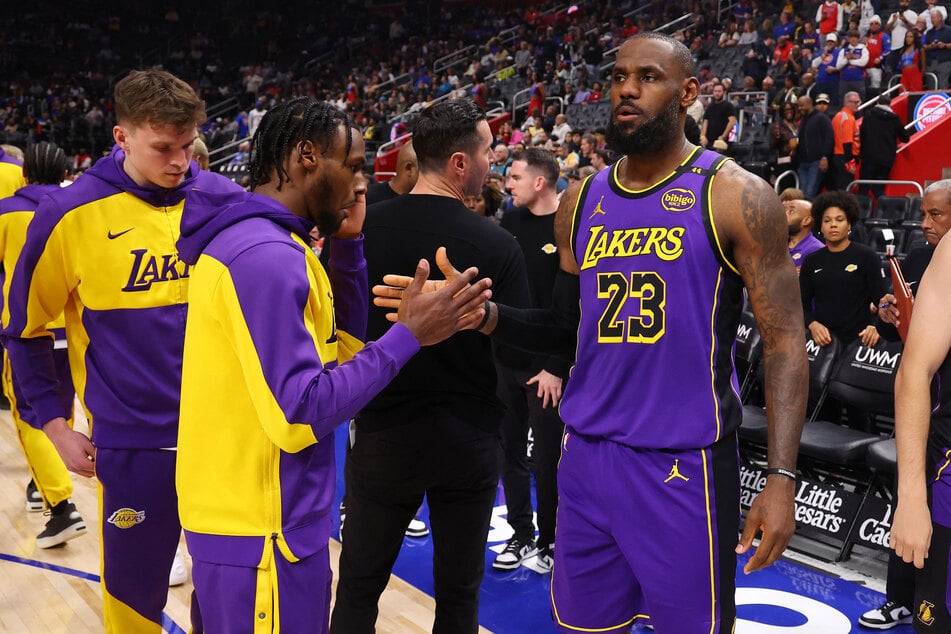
(285,128)
(44,163)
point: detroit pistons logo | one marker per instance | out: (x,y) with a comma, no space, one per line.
(677,199)
(126,518)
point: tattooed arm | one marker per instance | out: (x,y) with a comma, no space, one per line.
(752,224)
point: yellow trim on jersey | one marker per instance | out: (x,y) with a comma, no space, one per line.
(713,348)
(713,584)
(708,209)
(590,629)
(617,181)
(947,461)
(579,204)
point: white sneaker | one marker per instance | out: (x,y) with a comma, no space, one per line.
(886,617)
(179,573)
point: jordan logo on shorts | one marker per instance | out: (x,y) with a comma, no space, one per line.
(924,613)
(675,472)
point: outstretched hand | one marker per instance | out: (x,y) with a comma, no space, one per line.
(436,314)
(389,294)
(772,512)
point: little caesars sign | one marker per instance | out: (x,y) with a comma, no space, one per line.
(829,509)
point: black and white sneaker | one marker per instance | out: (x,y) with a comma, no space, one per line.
(34,500)
(343,518)
(417,528)
(65,523)
(886,617)
(545,558)
(516,551)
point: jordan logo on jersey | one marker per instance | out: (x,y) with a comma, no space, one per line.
(675,472)
(148,269)
(597,209)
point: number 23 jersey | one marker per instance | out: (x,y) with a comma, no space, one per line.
(660,304)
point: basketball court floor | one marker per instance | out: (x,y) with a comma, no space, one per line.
(57,590)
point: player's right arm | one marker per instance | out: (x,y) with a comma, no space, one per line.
(39,290)
(929,343)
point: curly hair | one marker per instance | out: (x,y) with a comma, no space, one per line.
(843,200)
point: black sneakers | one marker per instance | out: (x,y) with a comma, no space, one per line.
(886,617)
(64,524)
(516,551)
(545,558)
(34,501)
(417,528)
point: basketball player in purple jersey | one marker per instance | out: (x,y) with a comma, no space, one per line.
(656,251)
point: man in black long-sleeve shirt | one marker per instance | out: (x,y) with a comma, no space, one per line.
(530,385)
(434,430)
(813,148)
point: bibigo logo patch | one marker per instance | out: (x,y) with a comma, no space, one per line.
(126,518)
(677,199)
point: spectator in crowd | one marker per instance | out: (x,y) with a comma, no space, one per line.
(407,171)
(255,115)
(841,280)
(829,17)
(718,121)
(729,37)
(784,137)
(562,129)
(810,38)
(937,43)
(485,203)
(899,23)
(587,146)
(827,72)
(879,45)
(243,155)
(601,158)
(808,86)
(755,63)
(822,105)
(814,147)
(926,14)
(879,135)
(851,62)
(912,61)
(501,159)
(749,35)
(845,151)
(802,241)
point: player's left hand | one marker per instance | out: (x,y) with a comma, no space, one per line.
(352,226)
(549,387)
(772,513)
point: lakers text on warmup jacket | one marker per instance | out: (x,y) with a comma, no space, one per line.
(104,250)
(262,389)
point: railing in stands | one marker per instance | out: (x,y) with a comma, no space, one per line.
(667,28)
(897,78)
(786,174)
(874,100)
(915,184)
(320,59)
(224,149)
(453,59)
(228,105)
(389,145)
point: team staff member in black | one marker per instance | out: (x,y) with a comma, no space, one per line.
(530,385)
(434,430)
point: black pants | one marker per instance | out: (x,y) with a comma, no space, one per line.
(524,411)
(456,466)
(874,171)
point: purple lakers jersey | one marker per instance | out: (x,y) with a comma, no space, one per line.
(660,304)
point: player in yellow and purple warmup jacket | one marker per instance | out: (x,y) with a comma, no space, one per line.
(273,363)
(103,249)
(44,166)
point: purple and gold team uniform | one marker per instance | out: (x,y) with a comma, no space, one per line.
(47,468)
(651,410)
(262,393)
(932,611)
(11,175)
(104,250)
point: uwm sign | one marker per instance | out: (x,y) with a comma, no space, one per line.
(828,509)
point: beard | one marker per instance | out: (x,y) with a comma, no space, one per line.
(653,135)
(327,219)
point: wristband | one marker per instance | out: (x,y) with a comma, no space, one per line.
(783,472)
(485,318)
